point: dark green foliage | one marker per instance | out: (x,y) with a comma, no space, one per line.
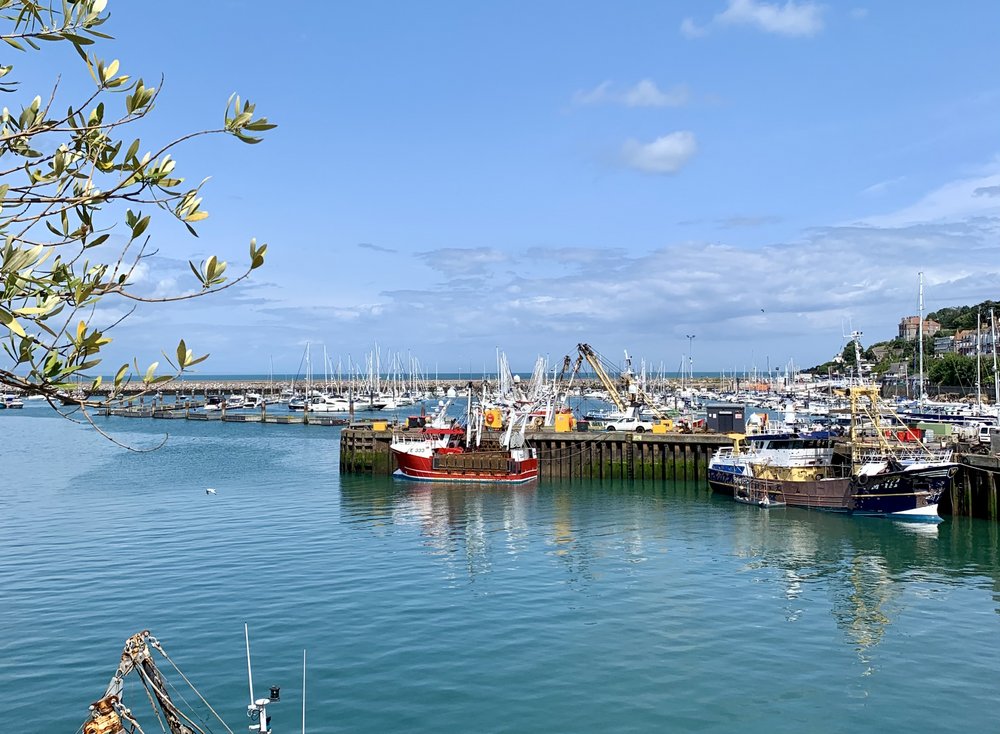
(958,370)
(958,318)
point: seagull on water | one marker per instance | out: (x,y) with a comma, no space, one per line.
(209,491)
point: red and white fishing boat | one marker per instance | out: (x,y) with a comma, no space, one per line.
(451,453)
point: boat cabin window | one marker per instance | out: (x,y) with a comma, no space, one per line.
(799,443)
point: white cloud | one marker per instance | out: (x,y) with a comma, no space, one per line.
(952,202)
(666,154)
(615,295)
(859,13)
(792,18)
(877,189)
(637,300)
(644,94)
(457,261)
(598,95)
(689,29)
(647,94)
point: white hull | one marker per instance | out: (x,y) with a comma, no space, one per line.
(919,514)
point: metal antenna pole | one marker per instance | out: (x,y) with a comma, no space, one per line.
(246,634)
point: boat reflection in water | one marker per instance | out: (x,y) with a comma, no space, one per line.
(811,568)
(865,567)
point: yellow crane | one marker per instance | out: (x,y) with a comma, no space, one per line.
(628,385)
(596,363)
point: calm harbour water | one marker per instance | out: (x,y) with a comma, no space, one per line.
(556,607)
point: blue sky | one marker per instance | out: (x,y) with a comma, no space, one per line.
(451,177)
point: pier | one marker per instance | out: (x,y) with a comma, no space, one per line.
(191,412)
(657,457)
(568,456)
(974,491)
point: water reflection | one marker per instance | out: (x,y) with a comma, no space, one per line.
(478,522)
(866,565)
(457,522)
(864,571)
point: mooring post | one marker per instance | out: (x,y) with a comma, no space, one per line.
(629,457)
(992,499)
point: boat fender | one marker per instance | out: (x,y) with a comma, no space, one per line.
(862,480)
(953,471)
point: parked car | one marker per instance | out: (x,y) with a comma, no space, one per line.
(986,434)
(629,424)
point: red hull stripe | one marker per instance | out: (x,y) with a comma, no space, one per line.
(415,467)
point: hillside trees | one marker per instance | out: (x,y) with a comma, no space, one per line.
(960,318)
(953,369)
(77,192)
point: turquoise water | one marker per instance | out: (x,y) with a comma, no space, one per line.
(556,608)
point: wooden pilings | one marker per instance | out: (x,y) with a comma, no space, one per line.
(974,491)
(672,456)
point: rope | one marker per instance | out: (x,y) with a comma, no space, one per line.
(183,698)
(156,710)
(160,649)
(126,714)
(164,700)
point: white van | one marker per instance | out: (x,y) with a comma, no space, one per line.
(986,434)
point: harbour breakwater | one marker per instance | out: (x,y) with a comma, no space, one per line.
(356,386)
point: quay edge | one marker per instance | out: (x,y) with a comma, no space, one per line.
(569,455)
(673,456)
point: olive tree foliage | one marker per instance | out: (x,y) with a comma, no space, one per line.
(76,196)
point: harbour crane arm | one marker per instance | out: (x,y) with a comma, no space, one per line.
(565,367)
(575,372)
(594,360)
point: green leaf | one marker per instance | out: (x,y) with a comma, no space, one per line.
(140,227)
(8,320)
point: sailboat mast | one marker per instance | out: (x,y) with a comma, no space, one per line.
(979,352)
(996,375)
(920,338)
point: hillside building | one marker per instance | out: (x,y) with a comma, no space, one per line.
(909,328)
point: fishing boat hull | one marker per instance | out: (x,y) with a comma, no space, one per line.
(498,468)
(907,494)
(911,494)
